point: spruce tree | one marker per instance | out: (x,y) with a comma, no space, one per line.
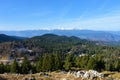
(100,62)
(91,64)
(84,61)
(39,64)
(68,62)
(25,66)
(51,61)
(33,68)
(78,61)
(14,67)
(108,66)
(46,65)
(2,70)
(117,65)
(57,61)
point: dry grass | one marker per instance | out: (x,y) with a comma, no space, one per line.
(116,75)
(54,76)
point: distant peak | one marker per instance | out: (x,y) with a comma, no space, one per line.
(49,35)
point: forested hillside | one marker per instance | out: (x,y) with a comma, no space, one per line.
(51,52)
(6,38)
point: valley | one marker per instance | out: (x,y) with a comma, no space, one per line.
(51,52)
(59,39)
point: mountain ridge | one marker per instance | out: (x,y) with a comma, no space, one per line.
(83,34)
(6,38)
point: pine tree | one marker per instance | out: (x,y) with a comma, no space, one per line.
(39,64)
(108,66)
(25,66)
(51,61)
(68,62)
(2,70)
(46,65)
(84,61)
(57,61)
(33,68)
(7,68)
(117,64)
(100,62)
(78,61)
(14,67)
(91,64)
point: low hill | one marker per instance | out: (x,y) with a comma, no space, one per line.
(52,38)
(6,38)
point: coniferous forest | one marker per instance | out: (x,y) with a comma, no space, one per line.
(54,53)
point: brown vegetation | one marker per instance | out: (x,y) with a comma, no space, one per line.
(54,76)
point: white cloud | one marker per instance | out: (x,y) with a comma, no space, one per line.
(98,23)
(103,23)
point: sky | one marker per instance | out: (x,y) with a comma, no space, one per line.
(60,14)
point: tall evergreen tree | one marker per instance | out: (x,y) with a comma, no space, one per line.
(91,63)
(14,67)
(25,66)
(84,61)
(39,64)
(100,62)
(78,61)
(51,61)
(46,65)
(33,68)
(117,65)
(57,61)
(68,62)
(2,69)
(108,65)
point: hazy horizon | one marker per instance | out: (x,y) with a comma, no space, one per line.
(50,29)
(98,15)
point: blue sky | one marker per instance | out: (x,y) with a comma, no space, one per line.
(60,14)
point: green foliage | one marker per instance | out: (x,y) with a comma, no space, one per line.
(14,67)
(91,64)
(47,61)
(39,64)
(108,66)
(57,61)
(68,62)
(2,69)
(51,62)
(84,61)
(78,62)
(25,66)
(116,65)
(33,68)
(100,64)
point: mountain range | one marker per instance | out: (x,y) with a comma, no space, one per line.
(83,34)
